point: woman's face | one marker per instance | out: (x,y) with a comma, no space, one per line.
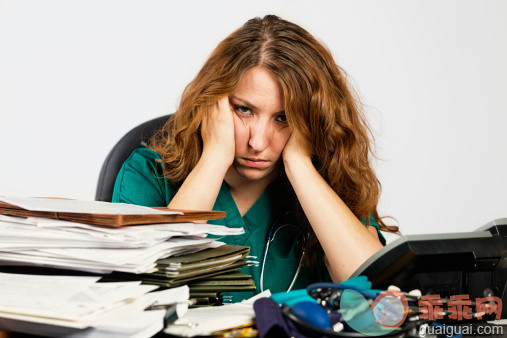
(260,127)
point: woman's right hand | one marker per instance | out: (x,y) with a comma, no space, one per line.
(206,178)
(217,132)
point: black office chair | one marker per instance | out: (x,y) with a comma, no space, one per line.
(136,138)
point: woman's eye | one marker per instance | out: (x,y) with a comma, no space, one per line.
(243,110)
(281,118)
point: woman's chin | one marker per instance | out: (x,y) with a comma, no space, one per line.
(239,172)
(253,174)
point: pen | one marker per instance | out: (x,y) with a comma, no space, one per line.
(159,306)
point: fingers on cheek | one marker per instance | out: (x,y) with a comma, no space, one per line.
(238,121)
(239,127)
(284,134)
(240,130)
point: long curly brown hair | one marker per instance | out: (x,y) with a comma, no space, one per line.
(319,103)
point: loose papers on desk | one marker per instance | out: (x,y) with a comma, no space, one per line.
(70,245)
(205,321)
(81,307)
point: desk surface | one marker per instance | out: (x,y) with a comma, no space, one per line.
(162,335)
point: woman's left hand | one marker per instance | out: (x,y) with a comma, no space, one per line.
(296,148)
(346,242)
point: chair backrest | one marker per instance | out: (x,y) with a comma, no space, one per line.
(136,138)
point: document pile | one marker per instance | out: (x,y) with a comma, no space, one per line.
(207,273)
(80,307)
(95,237)
(77,246)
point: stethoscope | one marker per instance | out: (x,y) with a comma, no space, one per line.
(311,316)
(277,225)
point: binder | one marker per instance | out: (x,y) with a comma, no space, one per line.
(163,280)
(201,271)
(250,287)
(210,263)
(114,220)
(236,275)
(214,283)
(203,259)
(234,281)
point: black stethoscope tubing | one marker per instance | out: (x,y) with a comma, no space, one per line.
(269,237)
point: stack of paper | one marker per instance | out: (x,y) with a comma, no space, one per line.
(207,273)
(94,237)
(80,307)
(70,245)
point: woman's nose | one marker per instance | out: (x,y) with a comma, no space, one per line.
(260,132)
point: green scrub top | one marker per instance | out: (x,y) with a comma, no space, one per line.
(141,181)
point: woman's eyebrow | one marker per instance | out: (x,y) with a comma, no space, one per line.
(245,102)
(249,105)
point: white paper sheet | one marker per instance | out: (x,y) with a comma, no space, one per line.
(205,320)
(96,309)
(124,256)
(134,325)
(63,297)
(75,206)
(134,249)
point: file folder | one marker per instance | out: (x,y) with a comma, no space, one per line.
(110,220)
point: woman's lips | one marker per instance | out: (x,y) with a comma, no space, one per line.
(255,163)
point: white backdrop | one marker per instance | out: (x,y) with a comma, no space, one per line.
(75,76)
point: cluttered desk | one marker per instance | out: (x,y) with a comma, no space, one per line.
(98,269)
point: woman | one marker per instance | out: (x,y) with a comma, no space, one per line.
(269,132)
